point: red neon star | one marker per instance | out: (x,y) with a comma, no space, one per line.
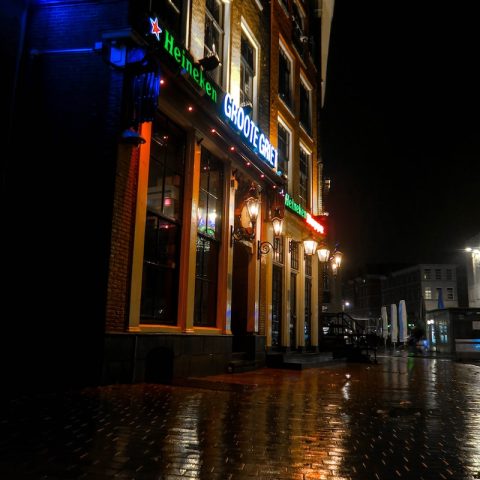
(156,30)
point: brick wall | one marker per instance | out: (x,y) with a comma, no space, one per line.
(123,223)
(60,181)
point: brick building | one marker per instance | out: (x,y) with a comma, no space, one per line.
(142,131)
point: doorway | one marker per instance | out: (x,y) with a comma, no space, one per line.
(293,310)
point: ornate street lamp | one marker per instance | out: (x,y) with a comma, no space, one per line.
(264,247)
(252,205)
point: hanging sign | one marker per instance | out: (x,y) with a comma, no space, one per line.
(301,212)
(247,128)
(184,59)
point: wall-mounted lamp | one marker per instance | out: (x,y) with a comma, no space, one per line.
(309,246)
(264,247)
(210,62)
(335,258)
(252,204)
(131,137)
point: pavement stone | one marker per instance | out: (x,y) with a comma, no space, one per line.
(404,418)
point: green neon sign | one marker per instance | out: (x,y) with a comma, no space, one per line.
(298,209)
(294,207)
(183,58)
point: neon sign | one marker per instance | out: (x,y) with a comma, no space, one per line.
(255,138)
(156,30)
(183,58)
(301,212)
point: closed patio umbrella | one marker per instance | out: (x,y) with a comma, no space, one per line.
(384,314)
(394,323)
(402,321)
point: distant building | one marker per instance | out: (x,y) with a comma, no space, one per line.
(423,287)
(363,295)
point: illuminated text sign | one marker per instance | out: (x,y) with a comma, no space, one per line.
(255,138)
(300,211)
(183,58)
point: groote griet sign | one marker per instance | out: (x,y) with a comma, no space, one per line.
(247,128)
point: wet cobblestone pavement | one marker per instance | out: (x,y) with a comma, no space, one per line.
(404,418)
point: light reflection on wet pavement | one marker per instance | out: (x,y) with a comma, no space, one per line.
(405,418)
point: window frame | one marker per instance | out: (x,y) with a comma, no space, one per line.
(246,31)
(308,188)
(216,240)
(290,105)
(309,89)
(217,73)
(289,168)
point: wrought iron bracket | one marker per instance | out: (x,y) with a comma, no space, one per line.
(263,248)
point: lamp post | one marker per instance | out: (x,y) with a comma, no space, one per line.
(334,260)
(264,247)
(252,205)
(473,274)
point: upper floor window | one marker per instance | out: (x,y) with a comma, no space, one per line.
(449,274)
(449,293)
(438,274)
(284,146)
(427,274)
(305,106)
(170,12)
(428,293)
(285,72)
(247,73)
(300,40)
(304,180)
(213,43)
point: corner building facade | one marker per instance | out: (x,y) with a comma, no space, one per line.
(182,96)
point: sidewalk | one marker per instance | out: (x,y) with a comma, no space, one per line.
(403,418)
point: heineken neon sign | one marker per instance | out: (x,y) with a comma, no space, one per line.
(301,212)
(183,58)
(247,128)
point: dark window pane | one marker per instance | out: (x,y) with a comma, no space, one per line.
(160,272)
(283,149)
(163,224)
(284,78)
(209,233)
(305,107)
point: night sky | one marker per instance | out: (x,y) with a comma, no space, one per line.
(400,131)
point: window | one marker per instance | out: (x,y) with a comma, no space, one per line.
(283,148)
(308,312)
(305,107)
(449,274)
(247,72)
(214,35)
(278,250)
(285,71)
(449,293)
(169,11)
(209,223)
(294,255)
(297,17)
(427,274)
(308,265)
(277,297)
(428,293)
(304,184)
(438,274)
(163,228)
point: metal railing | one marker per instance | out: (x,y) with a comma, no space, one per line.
(345,330)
